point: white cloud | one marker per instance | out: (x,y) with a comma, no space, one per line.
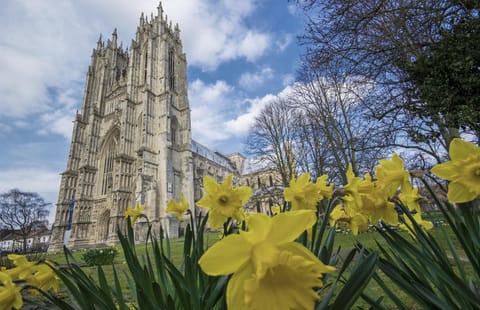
(220,114)
(58,122)
(292,9)
(208,103)
(45,44)
(44,182)
(249,80)
(241,124)
(284,42)
(214,32)
(288,79)
(29,180)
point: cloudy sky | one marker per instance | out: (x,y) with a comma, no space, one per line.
(241,54)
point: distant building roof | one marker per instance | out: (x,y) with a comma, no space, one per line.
(257,164)
(214,156)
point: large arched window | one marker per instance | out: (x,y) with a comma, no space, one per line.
(171,69)
(107,160)
(174,134)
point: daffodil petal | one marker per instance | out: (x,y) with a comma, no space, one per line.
(235,288)
(216,219)
(209,184)
(444,170)
(300,250)
(288,194)
(288,226)
(226,256)
(458,193)
(244,192)
(259,226)
(460,149)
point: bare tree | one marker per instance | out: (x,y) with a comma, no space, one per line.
(272,138)
(337,129)
(20,211)
(379,40)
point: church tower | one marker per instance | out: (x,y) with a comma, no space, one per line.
(132,140)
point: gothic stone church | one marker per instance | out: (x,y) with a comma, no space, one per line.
(132,142)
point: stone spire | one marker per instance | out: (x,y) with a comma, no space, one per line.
(99,42)
(114,37)
(160,10)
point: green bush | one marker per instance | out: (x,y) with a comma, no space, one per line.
(98,257)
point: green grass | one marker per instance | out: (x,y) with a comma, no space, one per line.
(343,241)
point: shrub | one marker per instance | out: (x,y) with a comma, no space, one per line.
(98,257)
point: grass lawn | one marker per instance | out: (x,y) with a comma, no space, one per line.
(345,241)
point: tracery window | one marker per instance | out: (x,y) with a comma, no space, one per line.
(171,69)
(108,159)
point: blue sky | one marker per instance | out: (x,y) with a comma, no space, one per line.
(240,54)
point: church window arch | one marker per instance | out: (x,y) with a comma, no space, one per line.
(107,160)
(171,69)
(174,126)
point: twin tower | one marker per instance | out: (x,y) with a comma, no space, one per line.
(132,140)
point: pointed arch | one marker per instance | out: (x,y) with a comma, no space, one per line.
(108,152)
(103,226)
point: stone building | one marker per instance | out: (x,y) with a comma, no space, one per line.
(132,140)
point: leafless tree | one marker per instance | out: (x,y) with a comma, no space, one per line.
(337,129)
(378,40)
(272,138)
(20,211)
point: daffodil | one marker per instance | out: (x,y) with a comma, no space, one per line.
(275,209)
(270,270)
(391,174)
(325,190)
(41,276)
(409,197)
(21,264)
(10,296)
(177,207)
(376,205)
(366,200)
(302,193)
(357,223)
(352,200)
(408,225)
(223,200)
(463,171)
(134,213)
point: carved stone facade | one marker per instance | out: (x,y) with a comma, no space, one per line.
(132,140)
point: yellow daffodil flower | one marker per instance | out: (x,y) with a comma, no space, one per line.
(325,190)
(408,225)
(41,276)
(352,200)
(223,200)
(391,174)
(21,263)
(358,222)
(134,213)
(302,193)
(376,205)
(463,171)
(409,197)
(177,207)
(10,296)
(270,270)
(366,200)
(275,210)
